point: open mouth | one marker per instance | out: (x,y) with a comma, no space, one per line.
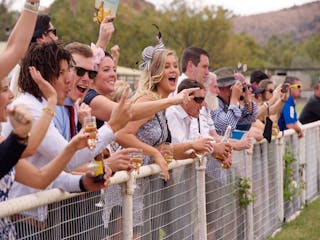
(172,79)
(82,89)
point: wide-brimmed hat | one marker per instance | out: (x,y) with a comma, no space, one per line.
(225,76)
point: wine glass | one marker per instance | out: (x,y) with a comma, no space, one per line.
(90,127)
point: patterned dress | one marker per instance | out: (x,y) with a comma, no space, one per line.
(154,132)
(7,231)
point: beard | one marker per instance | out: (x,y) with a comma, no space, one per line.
(212,101)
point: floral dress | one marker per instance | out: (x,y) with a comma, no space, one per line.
(7,231)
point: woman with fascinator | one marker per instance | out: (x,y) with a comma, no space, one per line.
(159,78)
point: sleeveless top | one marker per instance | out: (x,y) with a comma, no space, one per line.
(7,230)
(154,132)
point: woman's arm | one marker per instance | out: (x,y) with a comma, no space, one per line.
(10,152)
(102,106)
(28,174)
(39,129)
(18,41)
(127,138)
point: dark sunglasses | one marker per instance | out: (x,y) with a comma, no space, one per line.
(81,71)
(53,30)
(269,90)
(198,99)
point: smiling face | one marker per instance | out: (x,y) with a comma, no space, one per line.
(170,76)
(106,77)
(6,98)
(62,84)
(80,84)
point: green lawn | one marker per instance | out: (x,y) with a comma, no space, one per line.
(304,227)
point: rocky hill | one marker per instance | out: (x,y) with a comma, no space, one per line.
(300,21)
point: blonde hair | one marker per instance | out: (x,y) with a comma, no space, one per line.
(119,87)
(150,78)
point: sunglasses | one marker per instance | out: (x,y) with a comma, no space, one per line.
(296,86)
(81,71)
(269,90)
(198,99)
(53,30)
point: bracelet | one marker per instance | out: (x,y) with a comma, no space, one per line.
(48,110)
(81,186)
(32,7)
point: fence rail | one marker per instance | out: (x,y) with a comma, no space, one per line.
(193,204)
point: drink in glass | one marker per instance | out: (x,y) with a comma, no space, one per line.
(136,159)
(90,127)
(166,150)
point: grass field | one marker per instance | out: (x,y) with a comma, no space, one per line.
(305,227)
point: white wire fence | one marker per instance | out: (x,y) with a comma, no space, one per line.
(196,203)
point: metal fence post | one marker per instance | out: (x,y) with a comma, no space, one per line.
(249,208)
(201,192)
(127,196)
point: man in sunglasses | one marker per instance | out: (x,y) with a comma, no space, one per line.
(288,118)
(311,111)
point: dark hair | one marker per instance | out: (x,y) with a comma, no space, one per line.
(193,54)
(42,25)
(45,57)
(291,79)
(257,76)
(188,83)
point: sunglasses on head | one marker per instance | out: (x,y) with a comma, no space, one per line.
(296,86)
(198,99)
(53,30)
(81,71)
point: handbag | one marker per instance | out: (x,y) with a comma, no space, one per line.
(267,132)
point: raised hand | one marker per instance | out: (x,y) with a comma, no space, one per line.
(80,140)
(105,32)
(122,114)
(82,109)
(21,119)
(185,95)
(49,93)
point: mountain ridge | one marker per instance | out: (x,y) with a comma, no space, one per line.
(299,21)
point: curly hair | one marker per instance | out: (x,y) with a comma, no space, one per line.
(150,79)
(45,57)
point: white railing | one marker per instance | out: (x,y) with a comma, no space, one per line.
(177,209)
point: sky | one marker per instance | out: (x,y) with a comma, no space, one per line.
(244,7)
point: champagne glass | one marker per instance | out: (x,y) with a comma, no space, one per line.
(90,127)
(136,159)
(166,149)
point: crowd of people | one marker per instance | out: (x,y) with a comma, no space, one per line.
(44,144)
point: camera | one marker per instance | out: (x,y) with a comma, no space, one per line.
(284,88)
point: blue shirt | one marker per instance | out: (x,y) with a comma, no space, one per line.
(288,114)
(62,119)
